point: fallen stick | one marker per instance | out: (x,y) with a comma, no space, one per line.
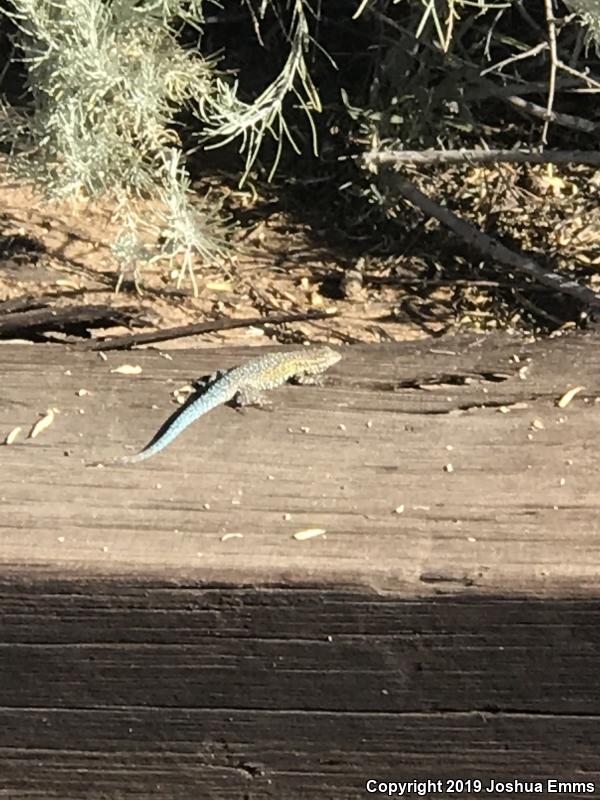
(490,247)
(41,320)
(566,120)
(386,157)
(132,339)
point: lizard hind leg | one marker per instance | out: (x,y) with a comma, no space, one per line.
(203,383)
(250,397)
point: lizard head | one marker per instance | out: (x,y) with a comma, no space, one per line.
(324,357)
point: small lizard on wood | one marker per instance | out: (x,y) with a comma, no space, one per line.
(244,385)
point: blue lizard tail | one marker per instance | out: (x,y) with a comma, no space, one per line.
(218,393)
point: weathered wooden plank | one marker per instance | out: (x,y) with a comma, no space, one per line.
(178,754)
(301,648)
(144,655)
(520,508)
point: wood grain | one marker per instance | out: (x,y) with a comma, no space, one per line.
(142,654)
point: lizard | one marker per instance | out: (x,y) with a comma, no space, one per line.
(244,385)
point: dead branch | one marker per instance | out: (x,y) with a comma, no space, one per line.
(564,120)
(489,247)
(47,318)
(550,22)
(519,57)
(386,157)
(130,340)
(583,76)
(487,90)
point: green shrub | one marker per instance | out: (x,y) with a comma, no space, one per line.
(106,81)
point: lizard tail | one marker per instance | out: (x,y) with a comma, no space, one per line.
(178,422)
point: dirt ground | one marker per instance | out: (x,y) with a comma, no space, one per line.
(63,250)
(282,261)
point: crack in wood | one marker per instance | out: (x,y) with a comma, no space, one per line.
(444,379)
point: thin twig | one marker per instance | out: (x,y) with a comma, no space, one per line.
(384,157)
(531,306)
(422,282)
(449,26)
(489,247)
(519,57)
(486,89)
(578,74)
(564,120)
(550,22)
(131,339)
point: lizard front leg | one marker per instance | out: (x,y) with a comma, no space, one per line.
(308,380)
